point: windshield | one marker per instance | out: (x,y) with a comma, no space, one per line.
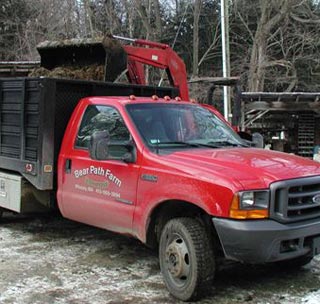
(175,125)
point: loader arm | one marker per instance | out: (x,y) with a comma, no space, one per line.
(144,52)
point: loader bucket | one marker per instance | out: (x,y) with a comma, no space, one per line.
(83,53)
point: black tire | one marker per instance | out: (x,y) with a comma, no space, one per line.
(186,259)
(295,263)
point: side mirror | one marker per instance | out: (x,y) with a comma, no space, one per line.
(98,147)
(258,140)
(254,140)
(103,148)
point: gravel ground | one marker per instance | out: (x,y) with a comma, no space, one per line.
(53,260)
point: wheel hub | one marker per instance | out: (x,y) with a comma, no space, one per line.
(177,259)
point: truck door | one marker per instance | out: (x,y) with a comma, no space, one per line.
(99,193)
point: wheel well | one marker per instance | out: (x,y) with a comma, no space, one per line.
(173,209)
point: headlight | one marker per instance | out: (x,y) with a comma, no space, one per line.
(254,199)
(250,205)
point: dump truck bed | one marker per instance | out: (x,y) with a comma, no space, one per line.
(34,113)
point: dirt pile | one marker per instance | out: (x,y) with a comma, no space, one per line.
(91,72)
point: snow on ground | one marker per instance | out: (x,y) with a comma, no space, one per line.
(52,260)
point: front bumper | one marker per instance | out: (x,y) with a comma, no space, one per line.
(261,241)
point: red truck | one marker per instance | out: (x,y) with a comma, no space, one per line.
(171,173)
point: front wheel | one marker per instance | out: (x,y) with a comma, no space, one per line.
(186,258)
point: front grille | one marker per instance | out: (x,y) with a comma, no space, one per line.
(296,199)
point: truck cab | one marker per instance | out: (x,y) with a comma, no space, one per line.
(176,176)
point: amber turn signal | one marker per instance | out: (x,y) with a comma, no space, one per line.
(241,214)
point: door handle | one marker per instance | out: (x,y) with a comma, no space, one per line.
(67,166)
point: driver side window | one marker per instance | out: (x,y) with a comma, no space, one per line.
(101,118)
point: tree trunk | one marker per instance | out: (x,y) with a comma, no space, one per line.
(259,51)
(142,11)
(88,16)
(156,7)
(196,17)
(258,62)
(131,14)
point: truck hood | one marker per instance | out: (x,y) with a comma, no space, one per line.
(246,168)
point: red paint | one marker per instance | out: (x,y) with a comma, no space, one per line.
(205,177)
(158,55)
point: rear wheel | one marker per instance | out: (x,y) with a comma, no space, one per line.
(186,258)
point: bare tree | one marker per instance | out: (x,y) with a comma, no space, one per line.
(274,44)
(271,14)
(274,39)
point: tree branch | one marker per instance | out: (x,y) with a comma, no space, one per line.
(246,26)
(302,20)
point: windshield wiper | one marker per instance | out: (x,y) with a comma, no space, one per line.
(172,144)
(223,143)
(185,144)
(182,143)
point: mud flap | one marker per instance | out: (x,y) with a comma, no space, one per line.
(316,246)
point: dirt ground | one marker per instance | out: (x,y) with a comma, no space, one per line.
(53,260)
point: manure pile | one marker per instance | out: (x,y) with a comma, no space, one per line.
(91,72)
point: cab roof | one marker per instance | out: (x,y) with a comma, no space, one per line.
(137,100)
